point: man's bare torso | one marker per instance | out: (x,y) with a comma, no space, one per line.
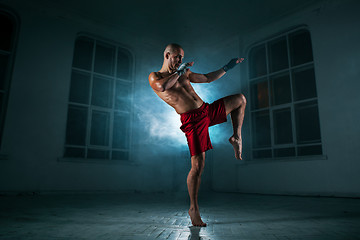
(182,97)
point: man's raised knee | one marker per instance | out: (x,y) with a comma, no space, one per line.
(241,99)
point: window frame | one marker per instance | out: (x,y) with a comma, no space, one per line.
(9,70)
(272,108)
(112,111)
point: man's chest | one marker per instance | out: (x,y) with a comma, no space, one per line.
(183,83)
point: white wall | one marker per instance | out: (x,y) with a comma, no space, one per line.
(334,28)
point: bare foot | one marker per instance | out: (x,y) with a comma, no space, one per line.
(237,144)
(195,218)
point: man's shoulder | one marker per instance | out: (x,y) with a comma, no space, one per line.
(158,75)
(153,75)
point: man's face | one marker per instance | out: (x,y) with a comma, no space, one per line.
(175,59)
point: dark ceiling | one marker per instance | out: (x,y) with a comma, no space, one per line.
(184,20)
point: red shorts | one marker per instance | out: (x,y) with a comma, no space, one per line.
(196,123)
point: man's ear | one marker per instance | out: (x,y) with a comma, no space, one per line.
(167,55)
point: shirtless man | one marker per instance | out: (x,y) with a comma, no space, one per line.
(172,84)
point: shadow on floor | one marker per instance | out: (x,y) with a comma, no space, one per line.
(194,233)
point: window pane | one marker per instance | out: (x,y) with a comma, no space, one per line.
(310,150)
(300,47)
(282,126)
(122,96)
(280,89)
(83,53)
(72,152)
(6,32)
(260,94)
(76,125)
(100,122)
(80,87)
(120,155)
(102,92)
(104,59)
(262,153)
(304,83)
(123,65)
(257,61)
(99,154)
(278,56)
(284,110)
(3,70)
(121,131)
(284,152)
(307,122)
(261,129)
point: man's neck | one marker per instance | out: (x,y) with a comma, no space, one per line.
(165,69)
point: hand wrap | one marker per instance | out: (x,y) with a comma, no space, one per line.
(182,69)
(230,65)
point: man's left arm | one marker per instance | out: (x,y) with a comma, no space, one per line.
(212,76)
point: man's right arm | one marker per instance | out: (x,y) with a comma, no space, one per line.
(162,84)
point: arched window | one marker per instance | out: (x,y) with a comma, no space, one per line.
(8,32)
(284,109)
(99,110)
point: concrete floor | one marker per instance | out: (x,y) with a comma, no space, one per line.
(164,216)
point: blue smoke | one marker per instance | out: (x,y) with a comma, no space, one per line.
(162,123)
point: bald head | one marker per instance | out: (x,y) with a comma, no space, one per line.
(171,48)
(173,56)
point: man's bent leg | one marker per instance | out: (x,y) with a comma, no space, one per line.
(235,106)
(193,182)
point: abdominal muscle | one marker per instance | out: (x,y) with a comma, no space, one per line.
(181,97)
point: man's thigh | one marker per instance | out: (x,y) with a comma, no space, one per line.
(217,112)
(198,160)
(233,102)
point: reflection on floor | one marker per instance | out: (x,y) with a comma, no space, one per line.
(164,216)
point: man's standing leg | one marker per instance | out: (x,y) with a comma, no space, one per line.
(193,182)
(235,106)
